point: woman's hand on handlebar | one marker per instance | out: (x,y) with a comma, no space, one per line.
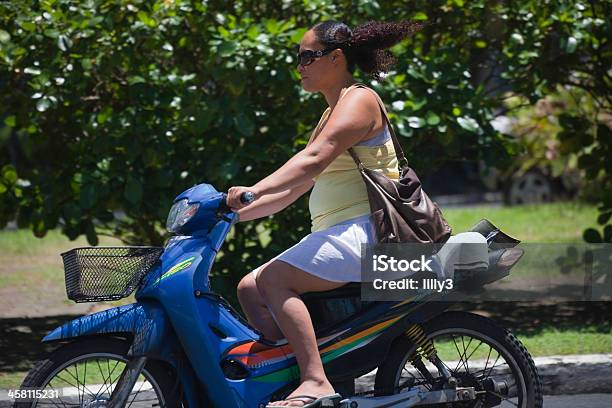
(234,195)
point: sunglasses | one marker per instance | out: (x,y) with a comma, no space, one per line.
(307,57)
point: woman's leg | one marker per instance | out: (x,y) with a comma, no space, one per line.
(280,285)
(255,309)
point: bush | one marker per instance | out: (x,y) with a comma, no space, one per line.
(113,107)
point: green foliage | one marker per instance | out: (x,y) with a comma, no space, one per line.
(110,106)
(548,142)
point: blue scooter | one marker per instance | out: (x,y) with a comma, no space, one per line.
(180,344)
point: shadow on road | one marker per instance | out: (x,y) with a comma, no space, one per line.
(531,318)
(20,340)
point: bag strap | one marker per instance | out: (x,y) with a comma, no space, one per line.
(317,129)
(399,152)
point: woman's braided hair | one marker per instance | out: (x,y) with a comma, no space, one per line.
(365,46)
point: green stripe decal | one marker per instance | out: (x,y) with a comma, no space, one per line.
(338,352)
(176,268)
(284,375)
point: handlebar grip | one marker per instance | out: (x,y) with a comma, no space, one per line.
(247,197)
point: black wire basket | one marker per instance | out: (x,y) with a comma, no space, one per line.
(95,274)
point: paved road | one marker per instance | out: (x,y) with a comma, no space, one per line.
(578,401)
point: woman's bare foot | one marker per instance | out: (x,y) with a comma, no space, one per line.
(308,387)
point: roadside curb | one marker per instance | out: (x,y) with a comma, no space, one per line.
(575,374)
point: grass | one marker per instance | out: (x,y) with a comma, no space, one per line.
(31,270)
(11,380)
(548,342)
(583,341)
(96,371)
(545,231)
(25,257)
(559,222)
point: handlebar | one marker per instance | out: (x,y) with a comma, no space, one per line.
(246,197)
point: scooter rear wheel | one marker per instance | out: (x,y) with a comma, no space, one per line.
(486,357)
(85,372)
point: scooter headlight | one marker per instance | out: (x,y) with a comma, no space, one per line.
(180,213)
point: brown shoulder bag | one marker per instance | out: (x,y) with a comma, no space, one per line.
(401,211)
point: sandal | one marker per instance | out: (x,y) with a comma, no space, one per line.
(328,401)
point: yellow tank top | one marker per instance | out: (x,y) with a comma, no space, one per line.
(339,192)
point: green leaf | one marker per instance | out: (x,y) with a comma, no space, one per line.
(571,45)
(105,215)
(468,123)
(90,233)
(224,33)
(4,36)
(39,228)
(31,71)
(253,32)
(607,233)
(71,211)
(227,48)
(133,190)
(86,64)
(43,104)
(144,17)
(517,38)
(88,196)
(297,35)
(136,79)
(432,119)
(10,121)
(51,33)
(603,218)
(415,122)
(244,124)
(415,105)
(272,26)
(9,174)
(104,115)
(28,26)
(591,235)
(64,43)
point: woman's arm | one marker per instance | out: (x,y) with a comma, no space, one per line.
(351,119)
(273,203)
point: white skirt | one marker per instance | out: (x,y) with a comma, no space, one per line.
(333,254)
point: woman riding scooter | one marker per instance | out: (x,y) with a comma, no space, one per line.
(329,256)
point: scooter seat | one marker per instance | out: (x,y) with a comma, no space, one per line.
(331,307)
(463,251)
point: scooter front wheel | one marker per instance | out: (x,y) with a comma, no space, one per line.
(84,373)
(477,353)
